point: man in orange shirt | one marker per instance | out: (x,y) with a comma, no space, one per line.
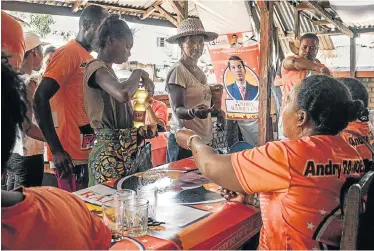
(296,68)
(59,104)
(358,133)
(299,180)
(43,218)
(12,42)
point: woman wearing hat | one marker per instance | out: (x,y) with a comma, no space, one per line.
(26,164)
(190,95)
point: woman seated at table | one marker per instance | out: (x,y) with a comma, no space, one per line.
(157,111)
(299,180)
(190,94)
(108,106)
(358,132)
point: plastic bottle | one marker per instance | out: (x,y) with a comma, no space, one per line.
(139,107)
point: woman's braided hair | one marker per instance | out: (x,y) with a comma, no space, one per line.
(328,104)
(111,27)
(358,91)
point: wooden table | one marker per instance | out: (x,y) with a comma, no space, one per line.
(213,224)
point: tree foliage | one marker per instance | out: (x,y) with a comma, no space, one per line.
(41,24)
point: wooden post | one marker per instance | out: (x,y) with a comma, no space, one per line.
(352,52)
(265,133)
(296,19)
(184,10)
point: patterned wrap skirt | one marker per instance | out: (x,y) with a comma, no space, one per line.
(113,155)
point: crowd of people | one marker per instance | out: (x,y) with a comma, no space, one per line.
(84,114)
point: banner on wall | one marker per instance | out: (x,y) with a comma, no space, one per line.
(235,58)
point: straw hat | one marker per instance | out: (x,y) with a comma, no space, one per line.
(190,27)
(32,41)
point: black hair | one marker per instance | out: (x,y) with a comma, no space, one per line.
(234,35)
(50,49)
(358,91)
(328,103)
(92,13)
(111,27)
(236,58)
(310,36)
(13,107)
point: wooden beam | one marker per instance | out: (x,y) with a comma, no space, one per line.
(302,6)
(177,7)
(265,132)
(167,15)
(148,12)
(151,10)
(184,10)
(296,18)
(321,22)
(66,11)
(352,62)
(316,7)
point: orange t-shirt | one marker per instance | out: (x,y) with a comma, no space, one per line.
(161,111)
(67,69)
(50,218)
(12,41)
(363,129)
(289,79)
(299,182)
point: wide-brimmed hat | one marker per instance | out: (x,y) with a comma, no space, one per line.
(32,41)
(190,27)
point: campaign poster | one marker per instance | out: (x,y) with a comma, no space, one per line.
(235,58)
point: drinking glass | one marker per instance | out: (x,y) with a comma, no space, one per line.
(113,219)
(136,213)
(124,194)
(151,196)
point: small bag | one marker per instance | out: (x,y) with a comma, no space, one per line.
(143,161)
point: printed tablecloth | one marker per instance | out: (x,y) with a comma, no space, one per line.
(195,215)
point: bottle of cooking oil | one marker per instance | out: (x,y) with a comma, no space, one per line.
(139,107)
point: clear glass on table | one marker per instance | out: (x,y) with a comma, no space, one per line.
(150,195)
(136,214)
(113,218)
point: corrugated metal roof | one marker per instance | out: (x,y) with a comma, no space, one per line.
(284,11)
(126,7)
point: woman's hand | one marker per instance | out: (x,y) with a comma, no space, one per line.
(248,199)
(182,137)
(148,131)
(201,111)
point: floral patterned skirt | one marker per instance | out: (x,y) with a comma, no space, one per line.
(114,154)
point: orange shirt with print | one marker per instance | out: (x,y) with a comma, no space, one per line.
(290,78)
(12,41)
(48,219)
(67,69)
(299,182)
(161,111)
(363,129)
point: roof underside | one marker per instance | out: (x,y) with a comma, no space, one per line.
(139,11)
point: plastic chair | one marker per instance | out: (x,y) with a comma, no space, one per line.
(240,146)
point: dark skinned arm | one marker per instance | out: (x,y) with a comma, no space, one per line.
(122,92)
(46,90)
(177,94)
(298,64)
(216,167)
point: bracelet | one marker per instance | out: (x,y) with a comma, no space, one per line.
(191,113)
(189,140)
